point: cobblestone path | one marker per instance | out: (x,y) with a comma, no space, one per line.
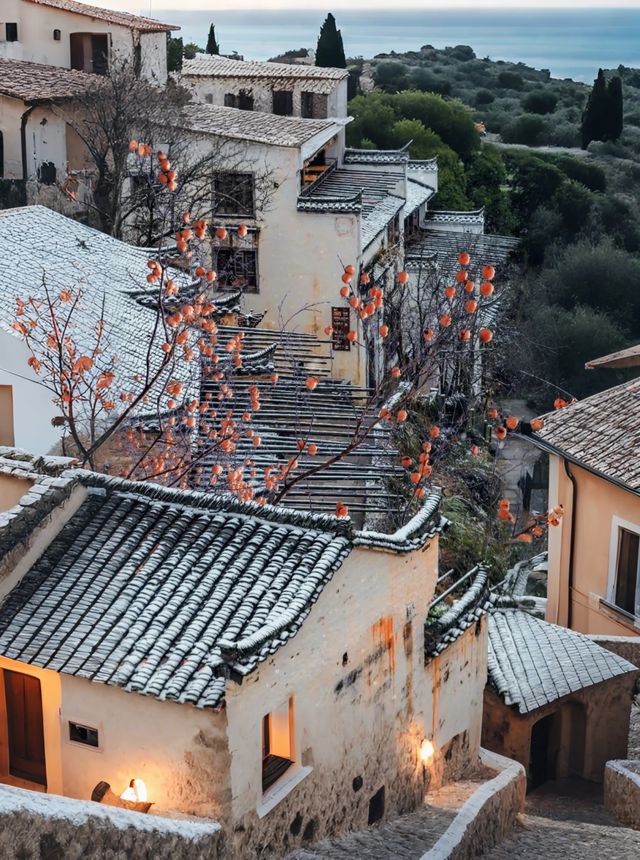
(405,838)
(567,820)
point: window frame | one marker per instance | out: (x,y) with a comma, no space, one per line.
(242,211)
(282,95)
(15,34)
(235,254)
(617,526)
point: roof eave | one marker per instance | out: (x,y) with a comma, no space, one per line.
(559,452)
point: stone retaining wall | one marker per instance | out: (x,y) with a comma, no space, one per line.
(35,826)
(488,816)
(622,791)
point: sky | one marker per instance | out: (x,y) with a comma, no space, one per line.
(156,6)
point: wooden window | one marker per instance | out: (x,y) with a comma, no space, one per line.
(242,101)
(233,194)
(314,105)
(7,435)
(11,32)
(627,595)
(237,269)
(283,102)
(277,743)
(25,729)
(56,35)
(83,735)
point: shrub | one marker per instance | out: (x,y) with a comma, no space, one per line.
(540,101)
(484,97)
(510,81)
(390,77)
(590,175)
(529,129)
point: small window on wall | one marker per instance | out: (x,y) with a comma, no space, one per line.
(11,32)
(237,269)
(83,735)
(314,105)
(627,585)
(278,753)
(283,102)
(233,194)
(56,35)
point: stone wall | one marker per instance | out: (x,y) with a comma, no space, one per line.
(488,816)
(35,826)
(622,791)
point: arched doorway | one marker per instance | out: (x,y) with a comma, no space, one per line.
(542,752)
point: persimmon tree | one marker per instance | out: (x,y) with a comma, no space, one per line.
(127,193)
(143,412)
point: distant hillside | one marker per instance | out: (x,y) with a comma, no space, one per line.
(516,101)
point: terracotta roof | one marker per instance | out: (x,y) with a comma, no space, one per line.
(629,357)
(601,432)
(123,19)
(251,125)
(223,67)
(532,663)
(34,82)
(164,592)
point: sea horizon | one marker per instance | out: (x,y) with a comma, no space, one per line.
(570,42)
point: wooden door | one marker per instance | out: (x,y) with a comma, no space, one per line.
(25,727)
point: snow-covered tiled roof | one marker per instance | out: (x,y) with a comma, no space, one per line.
(533,663)
(123,19)
(34,83)
(45,246)
(417,194)
(254,126)
(601,432)
(225,67)
(445,245)
(442,632)
(165,592)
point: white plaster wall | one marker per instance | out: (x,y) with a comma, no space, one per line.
(178,750)
(11,111)
(300,254)
(213,90)
(32,406)
(36,43)
(363,698)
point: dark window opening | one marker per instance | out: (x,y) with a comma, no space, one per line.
(137,60)
(283,102)
(277,744)
(242,101)
(47,173)
(314,105)
(237,269)
(627,591)
(1,155)
(376,807)
(11,32)
(83,735)
(57,35)
(233,194)
(89,52)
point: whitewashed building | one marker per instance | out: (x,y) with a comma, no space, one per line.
(73,35)
(264,667)
(306,91)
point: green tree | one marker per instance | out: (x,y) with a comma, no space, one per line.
(330,50)
(373,119)
(486,179)
(212,43)
(174,54)
(540,101)
(602,117)
(529,128)
(391,77)
(449,118)
(190,50)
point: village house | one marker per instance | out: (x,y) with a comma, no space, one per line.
(555,701)
(73,35)
(259,666)
(49,50)
(284,89)
(594,474)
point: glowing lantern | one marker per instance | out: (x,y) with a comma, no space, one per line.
(426,751)
(136,792)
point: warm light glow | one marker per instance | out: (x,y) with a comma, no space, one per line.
(136,793)
(426,750)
